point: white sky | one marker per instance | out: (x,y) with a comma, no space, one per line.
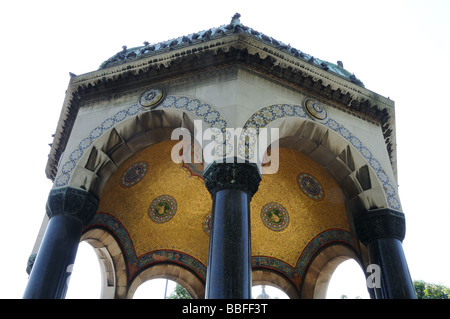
(399,49)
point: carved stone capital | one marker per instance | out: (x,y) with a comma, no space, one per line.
(380,223)
(243,176)
(73,202)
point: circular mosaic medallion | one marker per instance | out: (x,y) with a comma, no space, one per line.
(151,98)
(315,109)
(274,216)
(134,174)
(207,224)
(162,209)
(310,186)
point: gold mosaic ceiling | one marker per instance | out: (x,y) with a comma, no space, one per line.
(177,221)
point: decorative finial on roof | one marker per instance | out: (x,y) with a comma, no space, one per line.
(235,20)
(340,64)
(124,47)
(146,43)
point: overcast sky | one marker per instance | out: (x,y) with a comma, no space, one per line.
(399,49)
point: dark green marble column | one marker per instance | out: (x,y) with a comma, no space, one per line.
(69,209)
(382,231)
(232,186)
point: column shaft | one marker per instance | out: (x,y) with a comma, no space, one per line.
(395,278)
(229,262)
(232,185)
(382,232)
(55,259)
(69,209)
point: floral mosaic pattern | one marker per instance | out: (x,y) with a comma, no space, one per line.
(321,240)
(172,256)
(209,114)
(270,113)
(389,190)
(67,168)
(259,120)
(136,263)
(274,264)
(194,164)
(296,274)
(273,112)
(207,224)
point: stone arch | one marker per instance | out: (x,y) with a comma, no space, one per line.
(267,277)
(365,184)
(123,141)
(106,230)
(112,263)
(179,274)
(108,145)
(321,268)
(361,176)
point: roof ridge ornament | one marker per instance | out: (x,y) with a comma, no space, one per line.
(235,20)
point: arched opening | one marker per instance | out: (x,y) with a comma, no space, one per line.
(322,268)
(348,282)
(318,143)
(111,259)
(159,288)
(268,292)
(274,283)
(154,276)
(362,178)
(86,278)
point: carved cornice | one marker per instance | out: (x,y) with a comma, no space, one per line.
(236,49)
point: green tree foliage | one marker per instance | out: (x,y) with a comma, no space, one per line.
(346,297)
(430,291)
(179,293)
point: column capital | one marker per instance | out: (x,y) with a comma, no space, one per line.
(380,223)
(73,202)
(243,176)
